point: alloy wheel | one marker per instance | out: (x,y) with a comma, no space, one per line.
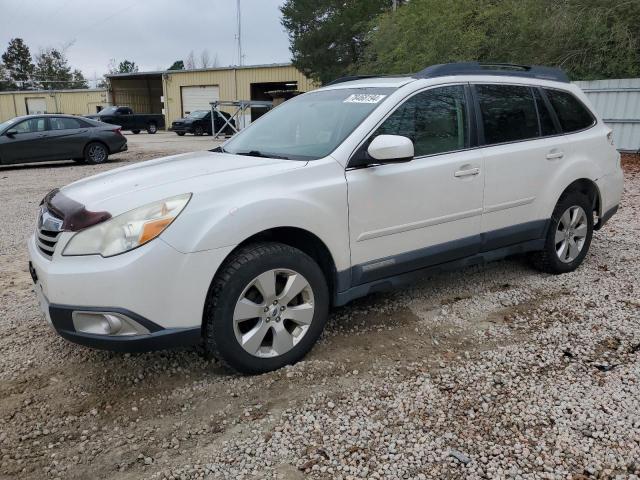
(571,234)
(273,313)
(97,153)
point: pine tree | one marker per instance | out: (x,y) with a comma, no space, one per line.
(18,63)
(52,70)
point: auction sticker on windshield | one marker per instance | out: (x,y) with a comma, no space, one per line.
(364,98)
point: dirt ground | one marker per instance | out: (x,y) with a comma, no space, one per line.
(496,371)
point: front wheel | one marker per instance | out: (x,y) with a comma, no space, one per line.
(569,235)
(152,128)
(198,131)
(180,134)
(135,132)
(266,308)
(95,153)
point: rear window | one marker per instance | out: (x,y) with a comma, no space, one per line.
(572,114)
(508,113)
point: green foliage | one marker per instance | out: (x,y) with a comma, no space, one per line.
(52,71)
(127,66)
(177,65)
(595,39)
(327,36)
(78,79)
(18,64)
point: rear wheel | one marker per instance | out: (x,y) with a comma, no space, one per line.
(136,132)
(266,308)
(198,130)
(569,235)
(152,128)
(95,153)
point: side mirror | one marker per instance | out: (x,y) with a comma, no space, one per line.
(391,149)
(11,132)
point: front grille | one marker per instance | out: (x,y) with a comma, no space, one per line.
(48,232)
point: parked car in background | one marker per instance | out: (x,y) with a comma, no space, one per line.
(198,122)
(128,120)
(42,138)
(353,188)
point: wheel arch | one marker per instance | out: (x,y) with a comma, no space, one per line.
(301,239)
(590,189)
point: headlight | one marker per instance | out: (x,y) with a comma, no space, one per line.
(128,230)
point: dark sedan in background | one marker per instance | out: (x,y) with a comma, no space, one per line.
(44,138)
(198,122)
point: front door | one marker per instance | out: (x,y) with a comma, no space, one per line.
(28,144)
(407,216)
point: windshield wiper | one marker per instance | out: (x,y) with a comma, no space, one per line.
(258,153)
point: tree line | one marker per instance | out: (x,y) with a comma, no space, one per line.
(49,69)
(588,39)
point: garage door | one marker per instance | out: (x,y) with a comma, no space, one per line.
(198,98)
(36,105)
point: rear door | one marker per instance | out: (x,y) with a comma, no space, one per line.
(523,148)
(407,216)
(27,145)
(66,138)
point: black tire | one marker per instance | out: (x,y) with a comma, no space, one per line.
(198,131)
(95,153)
(548,260)
(180,134)
(135,132)
(152,128)
(234,276)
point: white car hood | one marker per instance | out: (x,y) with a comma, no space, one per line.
(154,180)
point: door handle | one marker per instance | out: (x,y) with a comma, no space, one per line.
(554,155)
(467,173)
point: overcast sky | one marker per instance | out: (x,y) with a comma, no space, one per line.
(152,33)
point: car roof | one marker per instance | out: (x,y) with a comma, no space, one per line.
(469,71)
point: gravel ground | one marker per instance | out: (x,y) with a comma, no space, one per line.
(492,372)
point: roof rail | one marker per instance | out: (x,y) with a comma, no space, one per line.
(503,69)
(348,78)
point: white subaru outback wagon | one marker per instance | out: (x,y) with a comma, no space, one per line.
(364,184)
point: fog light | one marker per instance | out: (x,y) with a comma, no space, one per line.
(106,323)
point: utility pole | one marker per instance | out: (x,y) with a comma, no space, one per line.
(239,35)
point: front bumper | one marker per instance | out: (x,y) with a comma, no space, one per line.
(154,285)
(181,128)
(157,339)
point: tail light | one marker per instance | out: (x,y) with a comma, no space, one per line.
(118,131)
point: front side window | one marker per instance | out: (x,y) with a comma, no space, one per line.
(435,120)
(572,114)
(59,123)
(32,125)
(310,126)
(508,113)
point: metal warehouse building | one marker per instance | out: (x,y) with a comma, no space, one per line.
(172,92)
(75,102)
(177,92)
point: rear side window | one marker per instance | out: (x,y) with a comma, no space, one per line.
(435,120)
(59,123)
(572,114)
(508,113)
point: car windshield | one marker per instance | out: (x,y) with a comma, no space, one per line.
(6,123)
(198,114)
(310,126)
(108,111)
